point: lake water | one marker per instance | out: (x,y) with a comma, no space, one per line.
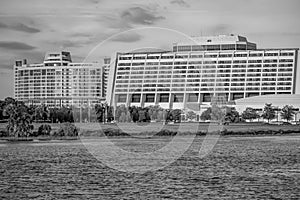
(237,168)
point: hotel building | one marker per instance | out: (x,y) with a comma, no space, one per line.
(195,71)
(58,81)
(106,68)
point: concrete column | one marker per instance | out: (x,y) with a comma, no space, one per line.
(157,95)
(184,100)
(171,100)
(80,111)
(115,101)
(89,110)
(143,99)
(128,101)
(200,98)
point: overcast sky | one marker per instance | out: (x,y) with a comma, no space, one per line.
(29,28)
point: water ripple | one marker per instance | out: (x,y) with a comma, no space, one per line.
(238,168)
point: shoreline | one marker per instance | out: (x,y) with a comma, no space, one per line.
(159,130)
(142,137)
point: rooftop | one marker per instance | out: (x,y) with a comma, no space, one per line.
(219,39)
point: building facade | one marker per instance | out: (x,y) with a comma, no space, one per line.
(106,67)
(58,81)
(195,71)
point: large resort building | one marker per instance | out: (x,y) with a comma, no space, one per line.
(195,71)
(58,81)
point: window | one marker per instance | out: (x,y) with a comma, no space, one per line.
(150,98)
(255,55)
(236,96)
(136,98)
(178,97)
(213,47)
(184,48)
(286,54)
(225,55)
(241,47)
(193,97)
(167,57)
(228,47)
(122,98)
(197,48)
(207,97)
(271,54)
(152,57)
(164,98)
(181,56)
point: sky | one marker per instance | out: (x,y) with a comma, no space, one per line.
(29,29)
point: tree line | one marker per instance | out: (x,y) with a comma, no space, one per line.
(229,114)
(20,116)
(146,114)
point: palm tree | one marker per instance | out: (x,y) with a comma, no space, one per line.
(206,115)
(19,120)
(153,111)
(41,112)
(269,112)
(100,112)
(53,114)
(2,104)
(287,113)
(231,115)
(191,115)
(250,114)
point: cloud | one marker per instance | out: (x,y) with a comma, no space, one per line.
(180,3)
(139,15)
(5,67)
(220,29)
(4,73)
(126,37)
(12,45)
(68,43)
(95,1)
(284,34)
(87,35)
(77,58)
(2,25)
(19,27)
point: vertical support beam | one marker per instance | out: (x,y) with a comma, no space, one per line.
(157,96)
(143,98)
(185,97)
(80,111)
(89,110)
(171,100)
(128,101)
(170,95)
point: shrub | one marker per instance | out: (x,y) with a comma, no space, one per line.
(67,129)
(44,129)
(114,132)
(166,132)
(4,133)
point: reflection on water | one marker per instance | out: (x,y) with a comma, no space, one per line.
(238,168)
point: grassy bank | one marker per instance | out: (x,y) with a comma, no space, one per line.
(159,129)
(144,129)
